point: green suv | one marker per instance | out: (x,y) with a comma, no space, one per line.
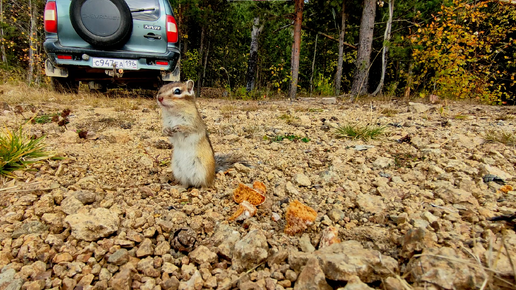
(110,43)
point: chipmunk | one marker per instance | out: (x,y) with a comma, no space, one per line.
(193,160)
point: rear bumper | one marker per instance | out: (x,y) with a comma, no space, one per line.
(81,57)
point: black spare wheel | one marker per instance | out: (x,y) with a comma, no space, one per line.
(102,23)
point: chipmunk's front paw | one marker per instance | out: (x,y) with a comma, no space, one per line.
(169,131)
(172,131)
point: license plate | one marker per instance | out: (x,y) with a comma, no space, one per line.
(118,63)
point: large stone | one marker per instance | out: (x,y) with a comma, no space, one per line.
(224,240)
(343,261)
(32,227)
(371,203)
(488,169)
(418,107)
(99,223)
(312,277)
(6,277)
(456,195)
(250,251)
(445,268)
(203,255)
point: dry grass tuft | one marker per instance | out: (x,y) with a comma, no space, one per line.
(507,138)
(363,132)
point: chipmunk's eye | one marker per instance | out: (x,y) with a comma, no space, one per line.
(177,92)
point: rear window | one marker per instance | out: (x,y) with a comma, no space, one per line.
(147,10)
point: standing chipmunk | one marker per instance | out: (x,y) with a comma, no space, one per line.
(193,161)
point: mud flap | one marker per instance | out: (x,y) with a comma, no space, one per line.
(174,76)
(54,71)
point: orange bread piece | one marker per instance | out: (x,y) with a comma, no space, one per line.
(506,188)
(244,192)
(299,217)
(260,187)
(245,210)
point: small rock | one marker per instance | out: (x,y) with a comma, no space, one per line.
(85,197)
(370,203)
(145,248)
(305,244)
(203,255)
(356,284)
(250,251)
(383,162)
(336,215)
(302,180)
(30,227)
(119,257)
(123,280)
(418,107)
(329,100)
(71,205)
(312,277)
(99,223)
(195,282)
(170,284)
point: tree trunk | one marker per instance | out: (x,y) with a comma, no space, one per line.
(296,47)
(205,63)
(313,65)
(360,80)
(253,55)
(199,73)
(338,77)
(408,87)
(32,42)
(386,39)
(2,45)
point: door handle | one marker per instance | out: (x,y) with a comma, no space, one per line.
(152,35)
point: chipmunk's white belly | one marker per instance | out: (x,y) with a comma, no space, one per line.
(187,167)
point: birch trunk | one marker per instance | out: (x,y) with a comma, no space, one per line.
(386,39)
(296,47)
(313,65)
(32,42)
(253,55)
(338,77)
(360,80)
(199,73)
(2,45)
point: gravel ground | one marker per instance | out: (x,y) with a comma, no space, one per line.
(409,210)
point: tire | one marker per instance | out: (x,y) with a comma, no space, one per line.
(105,24)
(64,85)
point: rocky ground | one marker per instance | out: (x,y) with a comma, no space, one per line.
(411,208)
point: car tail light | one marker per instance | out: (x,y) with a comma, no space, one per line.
(171,29)
(50,17)
(160,62)
(62,56)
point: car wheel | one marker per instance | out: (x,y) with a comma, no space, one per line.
(103,24)
(64,85)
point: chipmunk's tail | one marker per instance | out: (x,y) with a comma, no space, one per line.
(225,161)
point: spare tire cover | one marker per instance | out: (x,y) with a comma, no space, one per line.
(102,23)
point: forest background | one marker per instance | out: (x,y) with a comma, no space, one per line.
(449,48)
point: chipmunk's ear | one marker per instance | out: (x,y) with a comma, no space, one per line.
(189,86)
